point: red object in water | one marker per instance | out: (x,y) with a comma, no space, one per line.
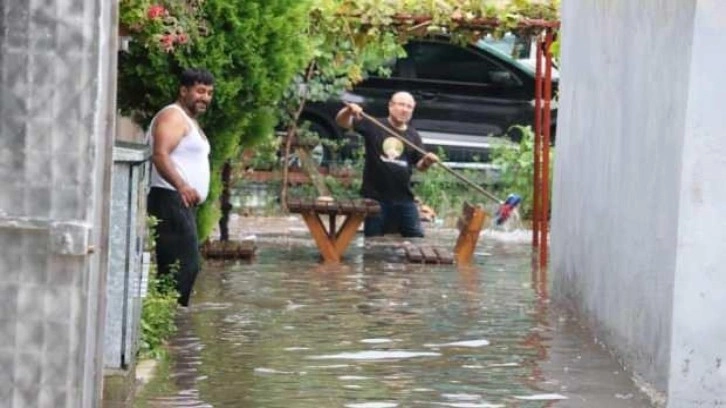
(506,209)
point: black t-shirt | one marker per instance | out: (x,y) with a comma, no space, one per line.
(389,163)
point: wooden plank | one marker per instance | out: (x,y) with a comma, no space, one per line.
(229,249)
(246,248)
(467,212)
(334,207)
(429,255)
(413,254)
(372,206)
(444,255)
(461,223)
(322,207)
(346,206)
(469,235)
(467,209)
(358,205)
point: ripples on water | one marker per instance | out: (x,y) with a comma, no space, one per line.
(284,331)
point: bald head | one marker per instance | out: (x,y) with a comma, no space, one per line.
(400,109)
(403,96)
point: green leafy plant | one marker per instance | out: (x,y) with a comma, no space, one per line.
(160,304)
(443,192)
(157,315)
(253,48)
(517,169)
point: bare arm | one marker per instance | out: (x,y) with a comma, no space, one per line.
(427,159)
(345,116)
(169,128)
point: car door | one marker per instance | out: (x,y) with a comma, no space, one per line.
(463,91)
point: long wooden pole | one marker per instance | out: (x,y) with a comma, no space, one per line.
(422,151)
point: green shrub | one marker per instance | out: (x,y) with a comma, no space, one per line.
(159,306)
(253,48)
(517,169)
(157,315)
(443,192)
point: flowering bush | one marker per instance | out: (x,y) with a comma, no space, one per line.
(252,47)
(163,25)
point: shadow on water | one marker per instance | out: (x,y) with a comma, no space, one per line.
(375,332)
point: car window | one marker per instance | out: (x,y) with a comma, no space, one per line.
(448,62)
(518,47)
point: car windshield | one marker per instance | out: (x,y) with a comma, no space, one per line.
(519,50)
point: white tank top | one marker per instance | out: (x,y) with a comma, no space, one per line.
(190,157)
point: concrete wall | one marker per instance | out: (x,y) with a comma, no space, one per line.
(638,227)
(698,342)
(625,70)
(57,98)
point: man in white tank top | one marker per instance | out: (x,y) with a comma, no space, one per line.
(180,179)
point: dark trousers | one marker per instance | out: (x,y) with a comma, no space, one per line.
(177,246)
(395,217)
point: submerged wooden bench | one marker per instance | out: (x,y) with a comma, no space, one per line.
(229,249)
(469,225)
(428,255)
(333,240)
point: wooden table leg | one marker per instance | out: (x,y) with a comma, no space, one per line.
(347,232)
(324,242)
(331,225)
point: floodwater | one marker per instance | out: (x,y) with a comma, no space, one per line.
(376,332)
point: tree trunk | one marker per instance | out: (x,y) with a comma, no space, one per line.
(291,131)
(225,205)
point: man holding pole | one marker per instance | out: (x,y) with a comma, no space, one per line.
(390,157)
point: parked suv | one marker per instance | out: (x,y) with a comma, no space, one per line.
(467,98)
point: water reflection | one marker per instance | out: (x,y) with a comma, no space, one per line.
(285,331)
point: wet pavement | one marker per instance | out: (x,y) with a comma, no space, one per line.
(375,332)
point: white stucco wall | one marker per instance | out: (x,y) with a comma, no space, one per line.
(698,346)
(625,71)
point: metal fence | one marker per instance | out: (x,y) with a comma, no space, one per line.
(125,272)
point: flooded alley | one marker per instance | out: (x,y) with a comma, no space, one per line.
(375,332)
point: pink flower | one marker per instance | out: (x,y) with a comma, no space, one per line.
(156,11)
(182,38)
(167,42)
